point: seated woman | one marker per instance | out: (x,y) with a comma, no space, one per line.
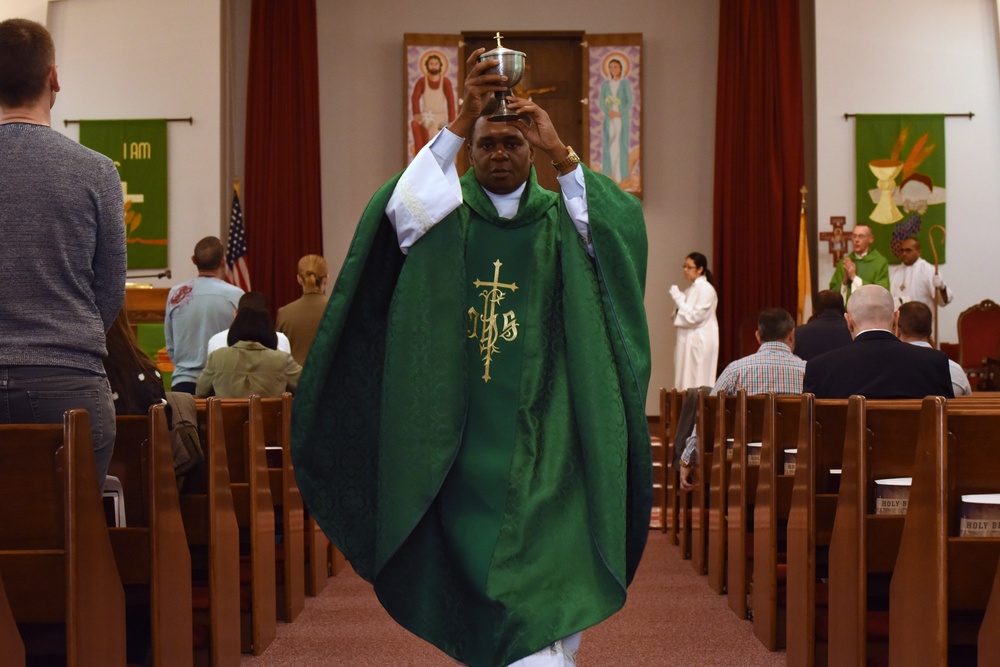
(135,382)
(251,364)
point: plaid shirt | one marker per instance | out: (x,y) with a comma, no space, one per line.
(771,368)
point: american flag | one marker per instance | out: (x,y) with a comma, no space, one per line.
(237,271)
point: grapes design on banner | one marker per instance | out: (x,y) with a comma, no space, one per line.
(903,231)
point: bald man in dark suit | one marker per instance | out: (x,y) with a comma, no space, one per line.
(877,364)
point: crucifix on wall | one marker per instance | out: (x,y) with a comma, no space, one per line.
(836,239)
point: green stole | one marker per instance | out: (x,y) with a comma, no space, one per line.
(492,517)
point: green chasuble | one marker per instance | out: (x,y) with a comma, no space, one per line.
(470,425)
(873,269)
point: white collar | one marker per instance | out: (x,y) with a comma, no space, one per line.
(508,204)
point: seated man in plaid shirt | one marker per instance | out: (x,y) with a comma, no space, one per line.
(773,367)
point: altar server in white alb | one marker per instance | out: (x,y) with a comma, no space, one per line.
(915,280)
(696,357)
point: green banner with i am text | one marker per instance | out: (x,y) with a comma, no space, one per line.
(139,150)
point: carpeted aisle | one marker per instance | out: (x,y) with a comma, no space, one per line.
(671,619)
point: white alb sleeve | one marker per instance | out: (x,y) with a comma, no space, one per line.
(574,192)
(427,191)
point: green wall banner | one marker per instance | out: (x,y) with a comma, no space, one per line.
(139,150)
(900,181)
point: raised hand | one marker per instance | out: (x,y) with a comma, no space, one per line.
(477,91)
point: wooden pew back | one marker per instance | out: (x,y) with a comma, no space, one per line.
(670,411)
(11,645)
(152,551)
(213,536)
(243,428)
(771,508)
(55,555)
(748,426)
(277,421)
(942,582)
(719,493)
(708,408)
(880,442)
(820,445)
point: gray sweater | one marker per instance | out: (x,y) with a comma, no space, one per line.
(62,249)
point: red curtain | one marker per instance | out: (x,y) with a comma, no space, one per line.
(759,164)
(281,199)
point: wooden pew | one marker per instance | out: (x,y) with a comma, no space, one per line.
(670,409)
(317,565)
(243,427)
(657,444)
(942,582)
(880,442)
(718,494)
(708,407)
(989,633)
(152,551)
(810,522)
(748,426)
(213,540)
(55,555)
(277,417)
(771,507)
(659,431)
(11,646)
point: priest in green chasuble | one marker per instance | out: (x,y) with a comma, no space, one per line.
(864,266)
(470,425)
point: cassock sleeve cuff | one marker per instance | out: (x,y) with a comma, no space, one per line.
(426,192)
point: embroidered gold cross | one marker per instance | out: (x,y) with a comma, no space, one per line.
(491,333)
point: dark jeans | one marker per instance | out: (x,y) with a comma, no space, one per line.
(186,387)
(41,394)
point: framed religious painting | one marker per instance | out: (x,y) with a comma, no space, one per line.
(612,73)
(432,87)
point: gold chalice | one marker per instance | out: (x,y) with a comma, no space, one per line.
(886,172)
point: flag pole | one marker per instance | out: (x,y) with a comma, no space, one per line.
(804,269)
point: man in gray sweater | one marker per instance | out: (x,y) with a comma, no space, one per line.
(62,251)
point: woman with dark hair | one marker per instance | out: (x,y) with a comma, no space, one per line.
(697,354)
(251,364)
(135,381)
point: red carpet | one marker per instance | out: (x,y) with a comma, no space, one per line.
(671,619)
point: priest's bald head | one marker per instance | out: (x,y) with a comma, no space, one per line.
(870,307)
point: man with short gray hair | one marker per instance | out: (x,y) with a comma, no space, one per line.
(864,266)
(877,364)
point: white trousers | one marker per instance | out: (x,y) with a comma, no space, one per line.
(562,653)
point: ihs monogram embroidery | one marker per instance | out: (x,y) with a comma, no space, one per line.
(490,332)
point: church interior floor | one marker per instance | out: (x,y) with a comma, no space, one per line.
(671,618)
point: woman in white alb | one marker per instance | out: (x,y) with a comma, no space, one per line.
(697,353)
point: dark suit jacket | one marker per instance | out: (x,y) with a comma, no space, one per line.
(827,332)
(879,365)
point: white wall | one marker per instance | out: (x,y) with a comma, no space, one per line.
(151,59)
(36,10)
(362,123)
(917,56)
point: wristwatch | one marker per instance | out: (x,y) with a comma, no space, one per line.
(571,159)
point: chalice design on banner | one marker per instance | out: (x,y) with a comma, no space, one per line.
(886,212)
